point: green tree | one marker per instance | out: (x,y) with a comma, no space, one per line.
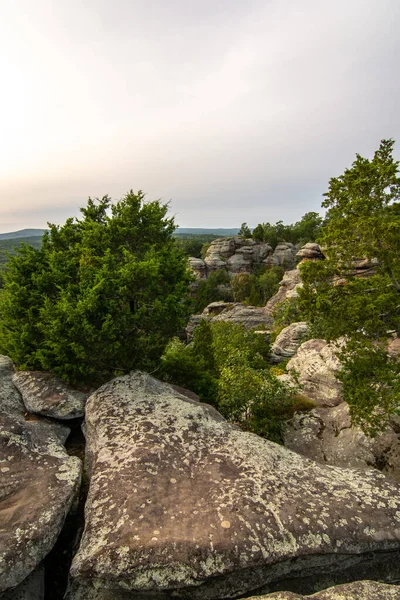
(102,295)
(245,231)
(363,222)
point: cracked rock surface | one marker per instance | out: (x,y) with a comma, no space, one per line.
(44,394)
(358,590)
(183,504)
(38,482)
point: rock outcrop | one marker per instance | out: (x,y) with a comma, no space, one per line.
(183,504)
(288,341)
(284,256)
(44,394)
(231,312)
(32,588)
(38,482)
(310,251)
(287,289)
(316,365)
(327,436)
(358,590)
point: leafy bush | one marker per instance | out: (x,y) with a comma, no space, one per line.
(227,366)
(216,287)
(103,294)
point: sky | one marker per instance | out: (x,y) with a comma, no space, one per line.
(231,110)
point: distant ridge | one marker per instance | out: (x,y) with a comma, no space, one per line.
(22,233)
(201,231)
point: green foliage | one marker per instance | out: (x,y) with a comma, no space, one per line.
(192,244)
(216,287)
(227,366)
(305,230)
(102,295)
(244,231)
(371,383)
(363,221)
(256,289)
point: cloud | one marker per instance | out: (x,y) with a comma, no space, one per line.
(235,111)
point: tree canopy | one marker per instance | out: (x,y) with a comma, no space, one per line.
(102,295)
(362,224)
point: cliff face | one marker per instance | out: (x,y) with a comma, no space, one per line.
(238,255)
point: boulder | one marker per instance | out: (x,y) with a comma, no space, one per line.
(38,482)
(44,394)
(357,590)
(231,312)
(198,267)
(316,365)
(327,436)
(287,289)
(182,504)
(310,251)
(32,588)
(284,256)
(288,341)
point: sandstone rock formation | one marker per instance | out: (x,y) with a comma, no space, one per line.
(44,394)
(358,590)
(288,341)
(316,365)
(284,256)
(327,436)
(287,289)
(198,267)
(32,588)
(234,255)
(310,251)
(181,503)
(231,312)
(38,482)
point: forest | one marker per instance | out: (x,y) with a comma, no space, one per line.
(111,292)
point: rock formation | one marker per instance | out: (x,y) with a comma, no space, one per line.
(287,289)
(38,482)
(284,256)
(310,251)
(288,341)
(231,312)
(316,365)
(358,590)
(44,394)
(183,504)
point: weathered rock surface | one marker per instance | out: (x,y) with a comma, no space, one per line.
(198,267)
(184,504)
(310,251)
(38,482)
(287,289)
(32,588)
(44,394)
(327,436)
(231,312)
(284,256)
(316,366)
(288,341)
(235,255)
(358,590)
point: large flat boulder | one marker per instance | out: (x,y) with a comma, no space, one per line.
(38,482)
(358,590)
(316,366)
(326,435)
(46,395)
(183,504)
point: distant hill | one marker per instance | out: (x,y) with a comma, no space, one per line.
(9,245)
(22,233)
(204,231)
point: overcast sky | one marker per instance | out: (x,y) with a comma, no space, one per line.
(234,110)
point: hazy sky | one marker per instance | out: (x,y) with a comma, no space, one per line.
(235,110)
